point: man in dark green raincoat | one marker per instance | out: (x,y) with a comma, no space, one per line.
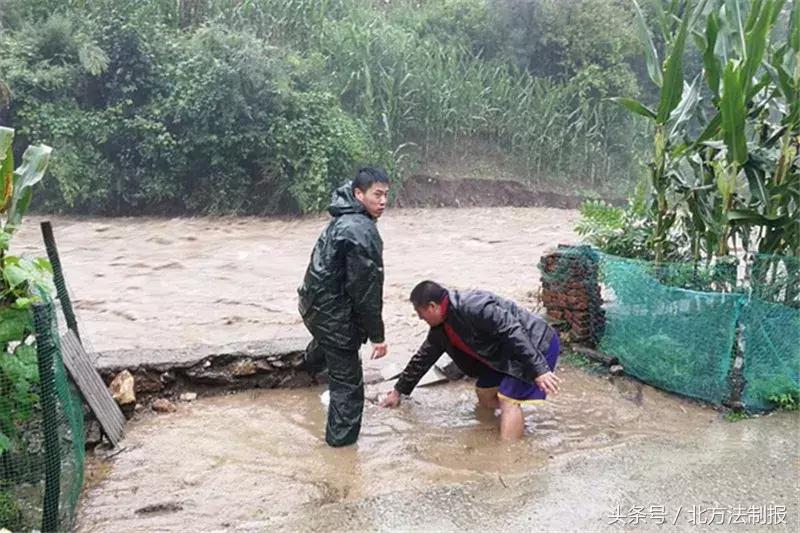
(341,299)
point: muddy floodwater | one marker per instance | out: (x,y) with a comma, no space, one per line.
(606,453)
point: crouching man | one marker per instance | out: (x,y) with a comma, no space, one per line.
(511,351)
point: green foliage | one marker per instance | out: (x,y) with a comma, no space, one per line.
(591,40)
(584,363)
(10,513)
(725,164)
(162,106)
(736,416)
(21,279)
(598,219)
(788,401)
(618,231)
(22,282)
(19,377)
(779,391)
(471,25)
(317,143)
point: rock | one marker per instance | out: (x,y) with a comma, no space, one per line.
(390,371)
(147,382)
(371,394)
(162,405)
(616,370)
(450,369)
(263,365)
(243,367)
(122,388)
(188,396)
(372,375)
(94,434)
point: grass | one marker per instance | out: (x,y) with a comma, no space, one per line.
(736,416)
(578,361)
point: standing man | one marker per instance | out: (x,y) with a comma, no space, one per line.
(341,298)
(511,351)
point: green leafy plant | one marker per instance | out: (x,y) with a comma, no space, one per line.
(725,157)
(22,283)
(10,512)
(788,401)
(615,230)
(161,106)
(736,416)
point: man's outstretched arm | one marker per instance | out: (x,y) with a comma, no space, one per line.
(418,366)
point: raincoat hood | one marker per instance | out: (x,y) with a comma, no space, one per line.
(344,202)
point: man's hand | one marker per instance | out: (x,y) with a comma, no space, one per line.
(391,400)
(548,382)
(379,350)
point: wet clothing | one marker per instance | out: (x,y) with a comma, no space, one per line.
(346,388)
(483,331)
(341,301)
(515,390)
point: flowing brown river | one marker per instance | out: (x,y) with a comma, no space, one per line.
(606,453)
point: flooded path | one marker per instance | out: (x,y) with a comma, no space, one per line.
(603,453)
(256,461)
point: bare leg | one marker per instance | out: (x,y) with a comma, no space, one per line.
(487,397)
(512,423)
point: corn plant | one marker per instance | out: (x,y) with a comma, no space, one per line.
(20,281)
(738,179)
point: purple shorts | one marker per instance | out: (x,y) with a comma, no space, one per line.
(515,390)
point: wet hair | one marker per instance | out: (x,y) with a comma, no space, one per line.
(427,291)
(366,177)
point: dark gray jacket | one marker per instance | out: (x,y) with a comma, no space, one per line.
(341,299)
(507,338)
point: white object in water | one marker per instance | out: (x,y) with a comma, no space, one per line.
(325,398)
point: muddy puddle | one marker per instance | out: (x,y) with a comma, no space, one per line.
(256,461)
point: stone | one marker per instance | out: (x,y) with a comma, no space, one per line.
(122,388)
(263,365)
(148,383)
(372,375)
(188,396)
(390,370)
(448,367)
(243,367)
(94,433)
(616,370)
(162,405)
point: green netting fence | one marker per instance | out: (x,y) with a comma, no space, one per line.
(41,412)
(726,331)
